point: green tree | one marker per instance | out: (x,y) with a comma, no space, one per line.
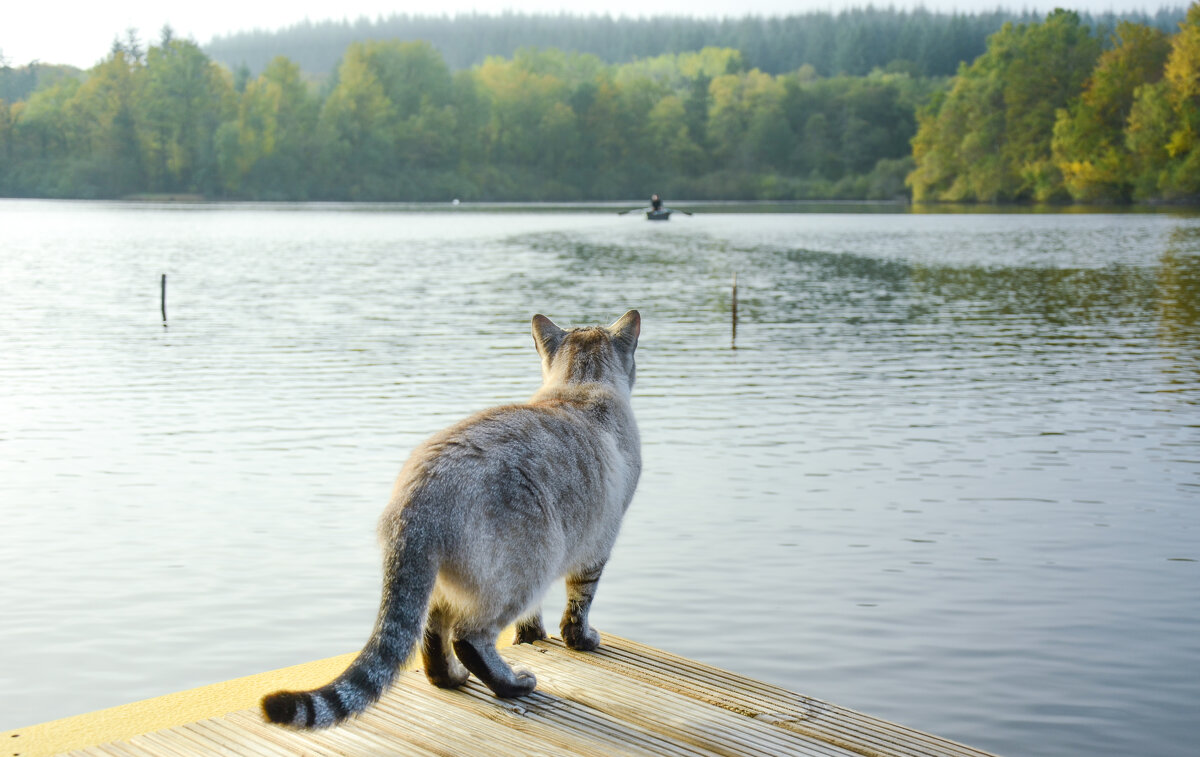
(265,149)
(183,100)
(6,148)
(609,134)
(390,124)
(846,125)
(747,126)
(472,114)
(42,123)
(674,149)
(1147,137)
(532,129)
(107,160)
(356,128)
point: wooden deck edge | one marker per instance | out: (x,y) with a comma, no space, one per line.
(633,699)
(178,708)
(167,711)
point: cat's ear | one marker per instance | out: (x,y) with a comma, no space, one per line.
(626,330)
(546,335)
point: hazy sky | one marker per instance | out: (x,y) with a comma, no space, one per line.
(82,33)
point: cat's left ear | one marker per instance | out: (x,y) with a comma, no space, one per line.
(546,335)
(626,330)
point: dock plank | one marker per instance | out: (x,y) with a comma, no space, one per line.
(710,730)
(541,721)
(624,699)
(860,733)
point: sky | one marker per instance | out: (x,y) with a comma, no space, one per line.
(81,33)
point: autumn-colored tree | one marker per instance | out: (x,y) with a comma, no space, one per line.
(1164,120)
(1182,78)
(989,138)
(1089,138)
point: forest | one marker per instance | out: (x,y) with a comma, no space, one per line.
(1052,113)
(1053,109)
(853,42)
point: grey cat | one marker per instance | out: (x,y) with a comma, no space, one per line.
(486,515)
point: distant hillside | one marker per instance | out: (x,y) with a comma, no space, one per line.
(849,42)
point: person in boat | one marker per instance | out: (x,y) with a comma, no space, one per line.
(655,203)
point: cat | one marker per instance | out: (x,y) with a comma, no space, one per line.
(486,514)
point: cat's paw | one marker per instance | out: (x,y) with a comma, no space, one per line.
(523,683)
(529,632)
(580,638)
(451,678)
(526,681)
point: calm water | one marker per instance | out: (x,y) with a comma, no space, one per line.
(950,476)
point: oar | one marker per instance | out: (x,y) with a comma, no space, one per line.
(676,210)
(631,210)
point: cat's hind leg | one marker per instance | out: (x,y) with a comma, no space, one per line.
(477,650)
(442,667)
(530,628)
(581,589)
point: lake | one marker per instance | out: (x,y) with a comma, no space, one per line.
(950,475)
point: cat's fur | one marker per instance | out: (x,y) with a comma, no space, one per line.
(486,515)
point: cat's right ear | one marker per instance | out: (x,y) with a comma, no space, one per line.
(547,336)
(627,329)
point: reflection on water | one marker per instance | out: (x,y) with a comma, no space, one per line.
(948,476)
(1178,287)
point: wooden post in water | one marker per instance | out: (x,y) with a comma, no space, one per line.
(733,338)
(164,300)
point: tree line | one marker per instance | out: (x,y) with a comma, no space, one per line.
(1052,112)
(851,42)
(394,122)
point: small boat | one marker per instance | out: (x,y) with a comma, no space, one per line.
(656,212)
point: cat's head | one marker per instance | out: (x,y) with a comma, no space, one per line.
(590,354)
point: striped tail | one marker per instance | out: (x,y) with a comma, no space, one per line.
(409,574)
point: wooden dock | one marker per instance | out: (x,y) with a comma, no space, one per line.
(624,699)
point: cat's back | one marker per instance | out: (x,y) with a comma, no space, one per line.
(534,457)
(541,466)
(562,428)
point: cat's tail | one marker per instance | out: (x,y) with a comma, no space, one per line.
(409,574)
